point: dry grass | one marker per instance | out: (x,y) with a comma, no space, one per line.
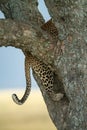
(32,115)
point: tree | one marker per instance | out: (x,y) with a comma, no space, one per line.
(67,57)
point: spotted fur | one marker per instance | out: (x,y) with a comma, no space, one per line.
(43,72)
(51,29)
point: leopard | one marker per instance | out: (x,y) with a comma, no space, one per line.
(43,72)
(51,30)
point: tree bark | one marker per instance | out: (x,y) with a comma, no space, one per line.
(69,66)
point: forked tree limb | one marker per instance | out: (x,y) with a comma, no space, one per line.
(70,18)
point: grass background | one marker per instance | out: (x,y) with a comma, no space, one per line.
(32,115)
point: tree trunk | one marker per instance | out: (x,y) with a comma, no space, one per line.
(67,57)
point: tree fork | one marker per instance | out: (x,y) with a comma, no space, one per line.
(70,18)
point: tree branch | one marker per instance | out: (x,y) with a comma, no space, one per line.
(13,33)
(71,65)
(25,37)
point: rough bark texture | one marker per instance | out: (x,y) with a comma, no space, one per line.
(70,66)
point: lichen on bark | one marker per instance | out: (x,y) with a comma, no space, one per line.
(70,66)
